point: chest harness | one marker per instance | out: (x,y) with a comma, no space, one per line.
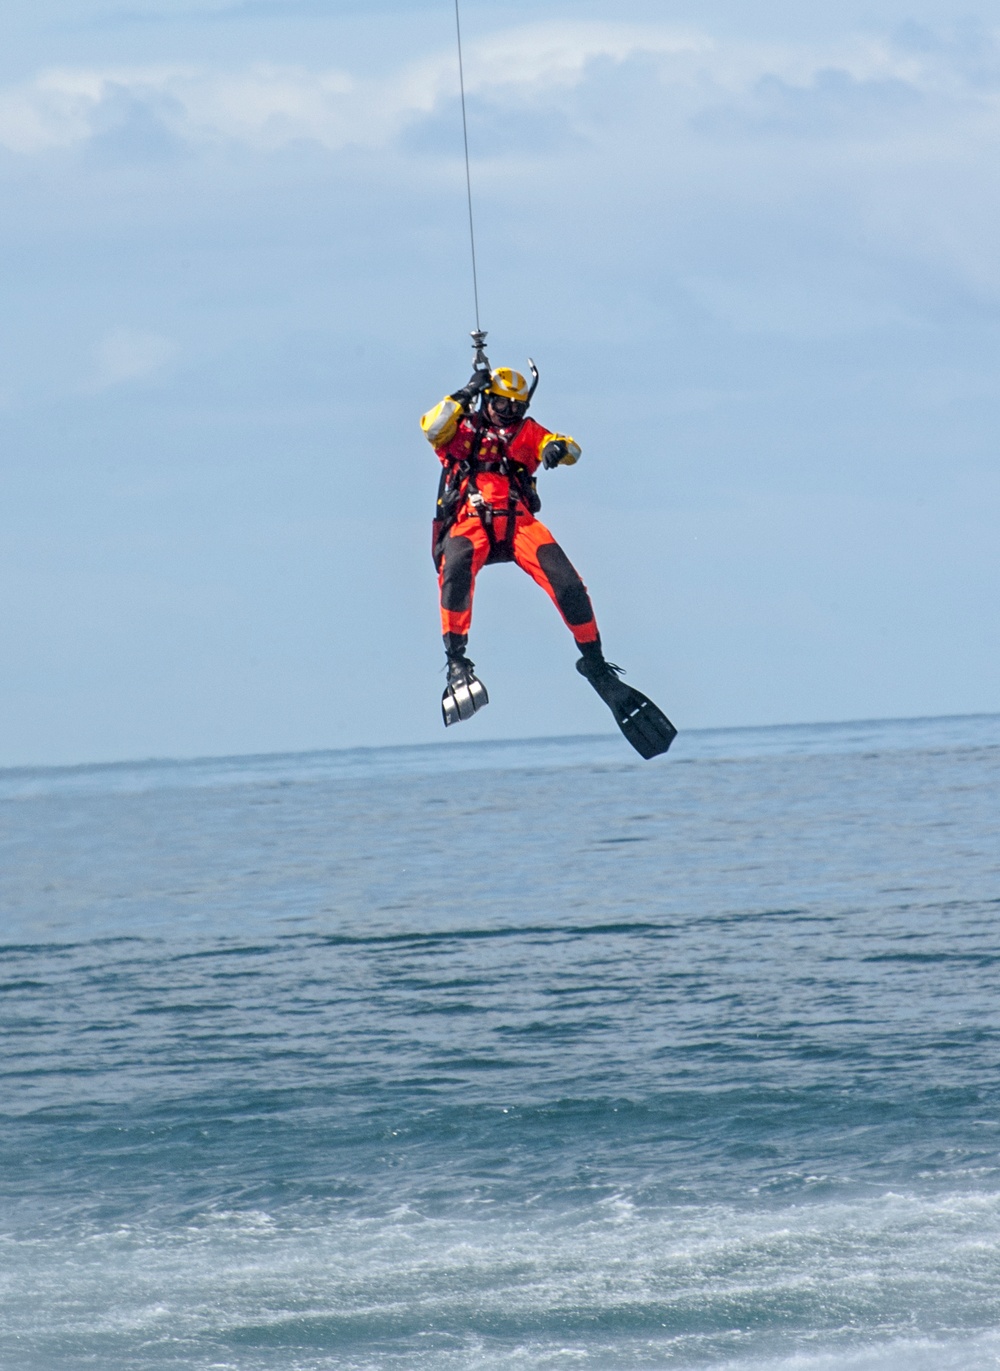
(458,486)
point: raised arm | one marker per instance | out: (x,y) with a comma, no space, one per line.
(439,424)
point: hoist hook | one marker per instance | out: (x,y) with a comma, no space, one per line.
(481,362)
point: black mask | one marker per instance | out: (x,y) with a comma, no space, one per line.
(504,411)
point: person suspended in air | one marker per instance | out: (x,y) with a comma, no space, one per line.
(490,452)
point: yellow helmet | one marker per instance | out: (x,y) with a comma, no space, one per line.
(510,384)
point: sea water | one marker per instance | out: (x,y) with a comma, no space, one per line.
(507,1056)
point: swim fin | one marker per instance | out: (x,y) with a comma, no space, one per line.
(645,726)
(464,694)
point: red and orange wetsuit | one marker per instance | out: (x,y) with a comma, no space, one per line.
(489,471)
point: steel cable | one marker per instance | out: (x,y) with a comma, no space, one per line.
(468,174)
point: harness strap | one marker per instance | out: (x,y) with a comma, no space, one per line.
(483,510)
(485,513)
(464,469)
(511,528)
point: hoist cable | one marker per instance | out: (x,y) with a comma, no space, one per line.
(468,174)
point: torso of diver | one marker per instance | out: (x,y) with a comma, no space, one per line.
(519,447)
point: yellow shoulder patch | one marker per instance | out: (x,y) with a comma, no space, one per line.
(440,423)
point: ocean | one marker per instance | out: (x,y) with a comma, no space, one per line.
(507,1055)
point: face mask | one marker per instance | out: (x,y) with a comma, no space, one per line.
(506,411)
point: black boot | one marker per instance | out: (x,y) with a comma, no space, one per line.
(460,667)
(601,674)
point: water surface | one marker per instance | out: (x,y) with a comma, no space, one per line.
(506,1055)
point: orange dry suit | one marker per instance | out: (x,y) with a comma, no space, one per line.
(486,513)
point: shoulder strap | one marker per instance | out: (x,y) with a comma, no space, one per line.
(467,464)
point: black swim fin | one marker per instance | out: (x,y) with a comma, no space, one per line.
(645,726)
(464,694)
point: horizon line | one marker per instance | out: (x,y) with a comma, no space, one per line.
(203,759)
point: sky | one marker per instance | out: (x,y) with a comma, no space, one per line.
(754,251)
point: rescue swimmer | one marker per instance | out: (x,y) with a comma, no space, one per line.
(490,452)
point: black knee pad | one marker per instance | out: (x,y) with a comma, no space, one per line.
(571,593)
(456,582)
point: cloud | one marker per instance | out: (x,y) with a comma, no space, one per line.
(128,354)
(267,106)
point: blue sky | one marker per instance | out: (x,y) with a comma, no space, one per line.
(755,255)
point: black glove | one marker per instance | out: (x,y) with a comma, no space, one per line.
(475,385)
(554,453)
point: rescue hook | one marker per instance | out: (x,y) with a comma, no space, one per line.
(481,361)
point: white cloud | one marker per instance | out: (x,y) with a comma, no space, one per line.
(540,56)
(53,111)
(268,106)
(128,354)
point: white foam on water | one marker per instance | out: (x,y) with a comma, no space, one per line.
(897,1281)
(900,1354)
